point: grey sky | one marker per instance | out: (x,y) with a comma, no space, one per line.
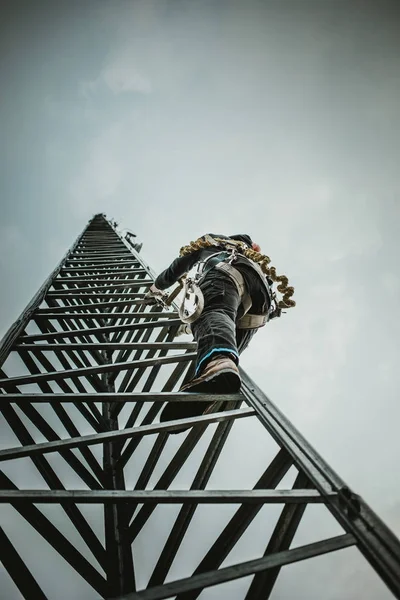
(280,119)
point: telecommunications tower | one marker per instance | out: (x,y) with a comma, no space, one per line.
(100,495)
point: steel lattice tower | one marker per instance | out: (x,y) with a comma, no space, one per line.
(85,371)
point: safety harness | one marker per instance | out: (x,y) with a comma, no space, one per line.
(193,299)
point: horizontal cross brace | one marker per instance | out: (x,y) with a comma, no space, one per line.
(109,346)
(96,241)
(105,315)
(237,571)
(127,283)
(122,434)
(163,496)
(99,233)
(99,330)
(106,244)
(113,239)
(102,231)
(104,253)
(122,272)
(107,264)
(122,252)
(76,258)
(102,269)
(101,250)
(96,282)
(90,306)
(119,397)
(116,246)
(71,295)
(101,243)
(105,368)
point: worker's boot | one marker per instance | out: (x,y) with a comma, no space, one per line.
(220,376)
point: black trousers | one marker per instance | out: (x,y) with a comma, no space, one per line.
(215,331)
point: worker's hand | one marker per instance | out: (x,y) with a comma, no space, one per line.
(153,296)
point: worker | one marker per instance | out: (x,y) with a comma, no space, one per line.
(236,285)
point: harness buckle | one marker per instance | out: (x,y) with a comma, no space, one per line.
(233,256)
(192,303)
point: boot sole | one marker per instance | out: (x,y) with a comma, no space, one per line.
(223,382)
(182,410)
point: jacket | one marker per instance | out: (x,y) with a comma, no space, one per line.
(261,297)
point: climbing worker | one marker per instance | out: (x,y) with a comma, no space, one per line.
(233,298)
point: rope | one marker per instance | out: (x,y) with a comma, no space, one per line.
(261,259)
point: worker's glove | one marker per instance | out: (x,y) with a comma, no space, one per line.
(154,296)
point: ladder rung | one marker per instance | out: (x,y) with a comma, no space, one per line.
(98,330)
(107,346)
(122,434)
(119,397)
(104,368)
(164,496)
(105,315)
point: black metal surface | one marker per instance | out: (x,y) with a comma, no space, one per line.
(119,568)
(95,330)
(18,570)
(199,582)
(57,540)
(84,371)
(281,539)
(158,496)
(120,434)
(241,520)
(186,513)
(158,397)
(53,481)
(378,544)
(95,367)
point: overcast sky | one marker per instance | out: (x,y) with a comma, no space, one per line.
(279,119)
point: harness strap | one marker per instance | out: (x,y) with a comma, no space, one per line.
(192,291)
(238,279)
(247,321)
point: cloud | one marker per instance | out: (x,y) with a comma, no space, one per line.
(126,78)
(101,174)
(119,79)
(12,241)
(133,58)
(189,117)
